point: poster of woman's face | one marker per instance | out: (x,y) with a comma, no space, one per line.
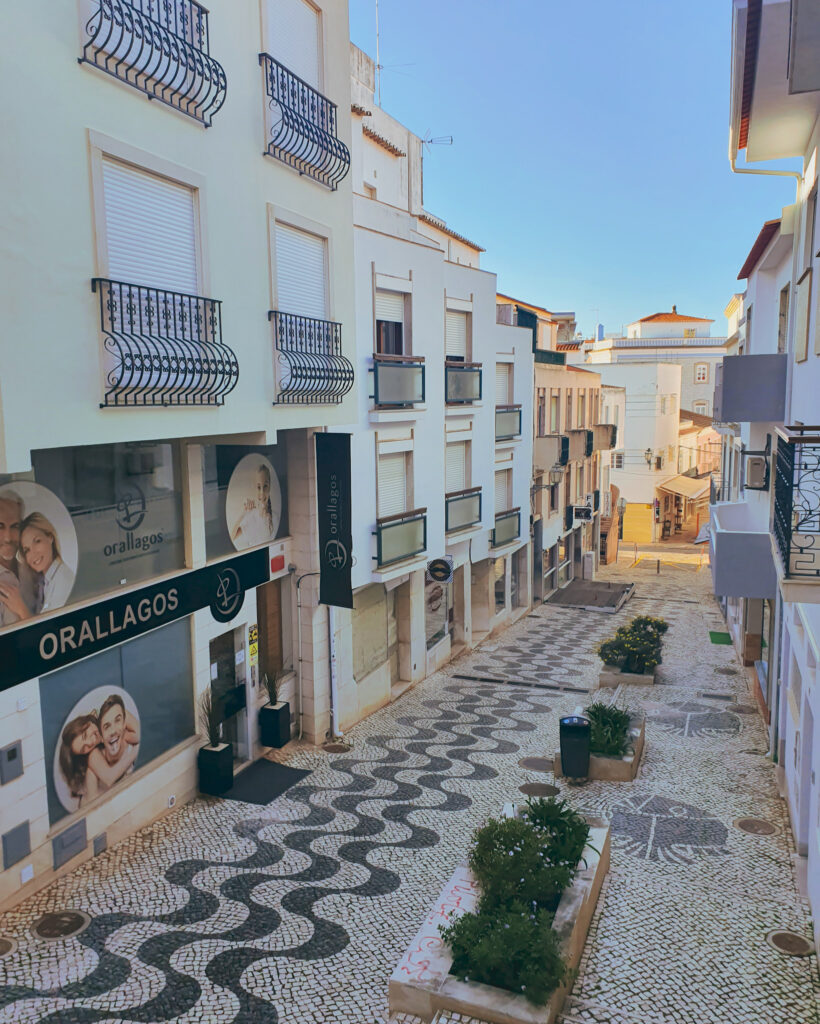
(253,504)
(97,747)
(38,552)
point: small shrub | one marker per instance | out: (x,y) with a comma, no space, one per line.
(210,717)
(608,729)
(566,832)
(512,947)
(635,647)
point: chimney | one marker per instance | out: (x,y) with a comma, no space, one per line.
(674,309)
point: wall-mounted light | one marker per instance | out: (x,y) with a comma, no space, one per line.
(556,474)
(648,456)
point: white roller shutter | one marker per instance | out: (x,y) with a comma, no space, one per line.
(502,478)
(455,470)
(392,484)
(150,227)
(456,335)
(300,272)
(390,306)
(293,37)
(502,383)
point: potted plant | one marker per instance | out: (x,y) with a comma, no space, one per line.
(214,761)
(274,717)
(634,652)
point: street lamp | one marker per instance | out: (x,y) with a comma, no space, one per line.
(556,474)
(648,456)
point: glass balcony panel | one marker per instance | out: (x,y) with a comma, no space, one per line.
(507,527)
(398,383)
(463,510)
(401,539)
(463,383)
(507,422)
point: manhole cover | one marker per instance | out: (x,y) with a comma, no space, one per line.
(536,764)
(742,709)
(538,789)
(336,748)
(61,924)
(6,946)
(756,826)
(727,671)
(790,943)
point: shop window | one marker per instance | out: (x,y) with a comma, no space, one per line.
(438,602)
(111,714)
(500,584)
(555,413)
(370,639)
(273,619)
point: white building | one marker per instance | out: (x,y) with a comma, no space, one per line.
(765,544)
(669,338)
(442,449)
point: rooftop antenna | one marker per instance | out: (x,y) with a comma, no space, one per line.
(437,140)
(378,62)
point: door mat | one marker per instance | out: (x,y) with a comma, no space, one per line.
(264,781)
(719,638)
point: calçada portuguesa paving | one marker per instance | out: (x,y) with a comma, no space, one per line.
(298,911)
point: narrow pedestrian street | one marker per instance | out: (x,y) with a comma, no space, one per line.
(298,911)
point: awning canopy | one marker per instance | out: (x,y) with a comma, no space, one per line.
(687,486)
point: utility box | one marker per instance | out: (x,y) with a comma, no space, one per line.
(588,565)
(573,732)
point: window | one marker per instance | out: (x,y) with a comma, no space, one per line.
(503,484)
(293,37)
(663,405)
(701,373)
(568,417)
(783,319)
(809,228)
(582,401)
(301,272)
(390,323)
(580,484)
(701,408)
(455,467)
(392,484)
(555,412)
(689,332)
(456,336)
(541,412)
(500,586)
(150,229)
(503,383)
(616,461)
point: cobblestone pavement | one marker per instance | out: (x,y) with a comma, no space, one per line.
(298,911)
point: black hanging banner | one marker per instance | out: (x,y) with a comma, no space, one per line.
(333,506)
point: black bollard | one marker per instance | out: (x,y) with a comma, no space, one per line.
(573,732)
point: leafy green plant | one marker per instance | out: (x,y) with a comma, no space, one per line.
(210,717)
(608,729)
(512,947)
(635,647)
(271,684)
(565,831)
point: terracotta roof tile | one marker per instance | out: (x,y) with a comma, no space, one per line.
(673,318)
(767,233)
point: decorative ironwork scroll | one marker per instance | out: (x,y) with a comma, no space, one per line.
(161,48)
(311,369)
(163,348)
(303,131)
(796,523)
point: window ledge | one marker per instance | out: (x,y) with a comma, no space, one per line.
(378,414)
(465,409)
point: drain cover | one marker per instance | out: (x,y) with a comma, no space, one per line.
(727,671)
(538,789)
(536,764)
(61,924)
(790,943)
(742,709)
(756,826)
(6,946)
(336,748)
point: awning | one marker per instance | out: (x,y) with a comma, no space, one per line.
(687,486)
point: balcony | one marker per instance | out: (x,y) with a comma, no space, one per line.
(751,389)
(310,367)
(462,509)
(400,537)
(796,521)
(604,436)
(550,358)
(462,383)
(581,444)
(398,381)
(303,126)
(507,527)
(740,551)
(161,48)
(507,422)
(596,501)
(162,348)
(546,451)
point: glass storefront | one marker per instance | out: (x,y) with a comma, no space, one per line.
(438,612)
(564,568)
(500,577)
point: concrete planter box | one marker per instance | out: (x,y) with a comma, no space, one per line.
(422,984)
(614,677)
(604,768)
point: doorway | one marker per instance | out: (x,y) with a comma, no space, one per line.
(230,695)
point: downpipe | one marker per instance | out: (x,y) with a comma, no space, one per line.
(335,734)
(299,641)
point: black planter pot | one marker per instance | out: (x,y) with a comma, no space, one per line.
(274,724)
(215,766)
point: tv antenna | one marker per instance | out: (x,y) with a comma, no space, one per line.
(437,140)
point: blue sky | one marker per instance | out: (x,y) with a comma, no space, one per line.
(590,146)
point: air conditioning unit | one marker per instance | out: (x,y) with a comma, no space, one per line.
(757,473)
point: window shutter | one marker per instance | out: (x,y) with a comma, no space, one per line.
(455,474)
(456,335)
(501,490)
(502,383)
(150,229)
(390,306)
(293,38)
(392,484)
(300,272)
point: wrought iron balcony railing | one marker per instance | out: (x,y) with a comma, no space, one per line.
(398,380)
(507,422)
(162,348)
(462,509)
(462,383)
(303,126)
(507,527)
(401,536)
(159,47)
(310,367)
(796,523)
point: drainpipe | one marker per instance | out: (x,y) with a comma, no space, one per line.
(334,673)
(755,170)
(299,641)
